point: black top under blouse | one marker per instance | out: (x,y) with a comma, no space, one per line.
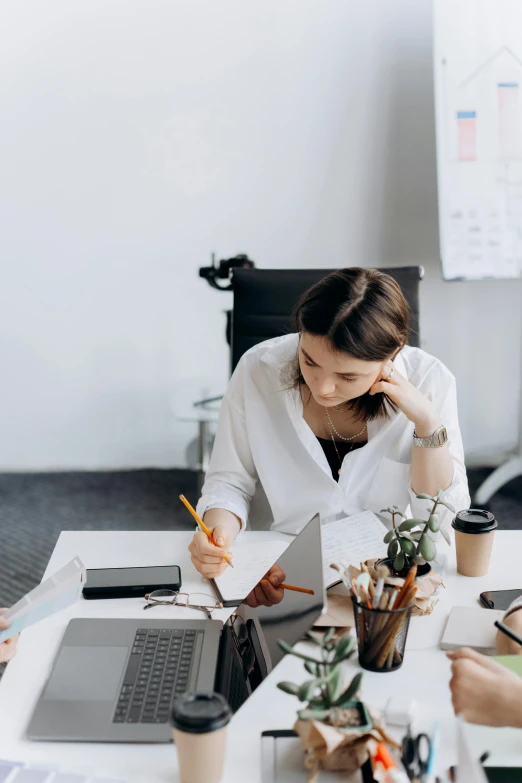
(331,454)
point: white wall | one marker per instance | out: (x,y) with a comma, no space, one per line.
(138,135)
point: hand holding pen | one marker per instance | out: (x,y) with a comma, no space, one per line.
(209,548)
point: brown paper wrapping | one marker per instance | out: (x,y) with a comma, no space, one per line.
(337,749)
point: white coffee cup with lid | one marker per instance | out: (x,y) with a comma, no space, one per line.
(200,723)
(474,535)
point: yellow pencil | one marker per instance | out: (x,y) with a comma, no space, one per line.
(297,589)
(201,524)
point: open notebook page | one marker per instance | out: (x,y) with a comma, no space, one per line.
(251,562)
(351,540)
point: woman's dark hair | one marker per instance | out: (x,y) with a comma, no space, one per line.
(364,314)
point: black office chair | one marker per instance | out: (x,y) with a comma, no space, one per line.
(264,300)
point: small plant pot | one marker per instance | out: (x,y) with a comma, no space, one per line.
(422,569)
(351,752)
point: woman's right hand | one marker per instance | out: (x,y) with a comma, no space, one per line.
(207,557)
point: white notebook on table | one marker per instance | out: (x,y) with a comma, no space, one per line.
(352,541)
(471,626)
(251,563)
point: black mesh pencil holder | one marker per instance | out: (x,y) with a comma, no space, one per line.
(381,636)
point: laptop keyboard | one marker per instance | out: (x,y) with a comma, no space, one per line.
(162,665)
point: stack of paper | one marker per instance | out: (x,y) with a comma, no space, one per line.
(57,592)
(352,541)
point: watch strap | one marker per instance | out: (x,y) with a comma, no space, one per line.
(435,441)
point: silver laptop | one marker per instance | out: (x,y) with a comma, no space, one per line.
(115,680)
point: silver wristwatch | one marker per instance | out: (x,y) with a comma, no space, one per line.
(435,441)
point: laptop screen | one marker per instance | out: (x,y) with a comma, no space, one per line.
(248,648)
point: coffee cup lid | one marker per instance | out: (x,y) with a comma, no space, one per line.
(199,713)
(474,520)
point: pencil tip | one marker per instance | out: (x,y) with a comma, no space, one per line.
(231,564)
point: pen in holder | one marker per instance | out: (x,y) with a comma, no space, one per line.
(381,636)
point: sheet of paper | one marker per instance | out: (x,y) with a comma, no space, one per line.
(59,591)
(251,562)
(352,540)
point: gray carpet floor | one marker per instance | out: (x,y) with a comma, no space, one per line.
(36,507)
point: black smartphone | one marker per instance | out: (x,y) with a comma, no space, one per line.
(499,599)
(130,582)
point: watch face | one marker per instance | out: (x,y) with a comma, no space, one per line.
(442,436)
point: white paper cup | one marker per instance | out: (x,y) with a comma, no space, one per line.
(200,723)
(474,536)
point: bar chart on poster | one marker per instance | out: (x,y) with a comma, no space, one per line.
(478,99)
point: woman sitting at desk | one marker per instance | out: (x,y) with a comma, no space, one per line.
(342,416)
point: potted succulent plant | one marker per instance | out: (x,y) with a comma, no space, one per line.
(334,725)
(409,541)
(325,697)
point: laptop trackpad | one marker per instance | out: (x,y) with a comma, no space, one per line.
(87,674)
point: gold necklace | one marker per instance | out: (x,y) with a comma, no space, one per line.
(335,444)
(341,437)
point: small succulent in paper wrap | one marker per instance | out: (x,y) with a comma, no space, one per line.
(335,726)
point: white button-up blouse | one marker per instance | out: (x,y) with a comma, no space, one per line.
(262,436)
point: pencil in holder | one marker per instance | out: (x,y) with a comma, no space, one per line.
(381,636)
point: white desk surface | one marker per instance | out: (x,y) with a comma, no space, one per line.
(424,675)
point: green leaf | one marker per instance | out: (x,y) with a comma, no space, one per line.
(334,683)
(290,651)
(408,547)
(312,668)
(390,535)
(428,549)
(399,562)
(313,714)
(425,497)
(409,524)
(448,505)
(351,690)
(317,703)
(289,687)
(446,536)
(344,647)
(386,511)
(328,636)
(308,688)
(393,548)
(433,523)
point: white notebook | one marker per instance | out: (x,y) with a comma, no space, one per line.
(251,562)
(352,540)
(471,626)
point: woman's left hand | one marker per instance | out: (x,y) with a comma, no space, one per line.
(408,399)
(267,592)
